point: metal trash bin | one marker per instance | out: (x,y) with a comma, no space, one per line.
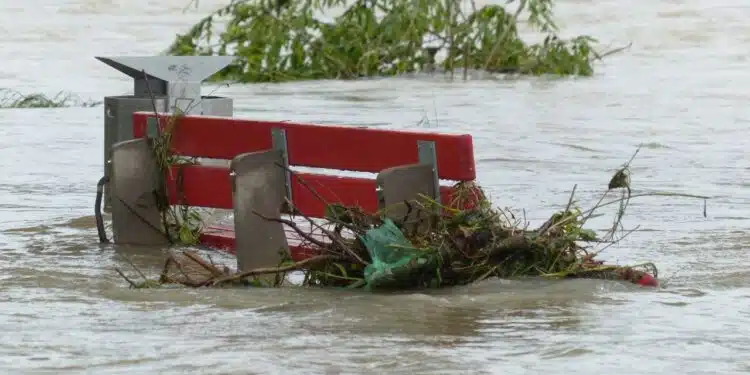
(162,84)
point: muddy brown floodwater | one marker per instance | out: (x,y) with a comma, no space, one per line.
(682,90)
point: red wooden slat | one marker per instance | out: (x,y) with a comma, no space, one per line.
(222,238)
(206,186)
(201,186)
(319,146)
(332,189)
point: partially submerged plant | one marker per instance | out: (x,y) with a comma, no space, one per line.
(14,99)
(278,41)
(181,223)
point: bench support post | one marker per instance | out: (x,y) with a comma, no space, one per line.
(258,186)
(134,182)
(428,156)
(405,183)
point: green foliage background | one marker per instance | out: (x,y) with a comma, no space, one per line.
(286,40)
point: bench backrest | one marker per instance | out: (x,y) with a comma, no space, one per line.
(307,145)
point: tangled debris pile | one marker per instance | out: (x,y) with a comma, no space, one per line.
(435,246)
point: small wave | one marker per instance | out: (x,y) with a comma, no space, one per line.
(575,147)
(731,218)
(84,222)
(565,352)
(354,98)
(32,229)
(655,146)
(506,160)
(537,163)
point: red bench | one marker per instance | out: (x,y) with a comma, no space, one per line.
(345,148)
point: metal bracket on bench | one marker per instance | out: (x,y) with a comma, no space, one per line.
(133,180)
(278,137)
(406,183)
(257,194)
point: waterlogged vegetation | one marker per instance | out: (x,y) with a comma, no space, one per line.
(287,40)
(430,246)
(14,99)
